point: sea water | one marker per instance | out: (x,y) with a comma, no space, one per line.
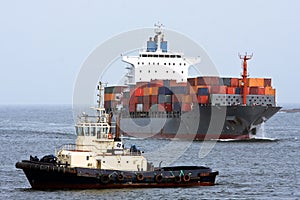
(257,169)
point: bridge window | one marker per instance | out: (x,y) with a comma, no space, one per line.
(178,56)
(172,56)
(98,133)
(144,55)
(86,131)
(93,131)
(167,56)
(161,56)
(79,131)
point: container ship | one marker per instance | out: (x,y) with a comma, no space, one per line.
(160,99)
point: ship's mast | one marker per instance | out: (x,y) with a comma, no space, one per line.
(159,35)
(245,75)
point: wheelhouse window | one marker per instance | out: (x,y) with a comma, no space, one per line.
(86,131)
(98,132)
(79,131)
(93,131)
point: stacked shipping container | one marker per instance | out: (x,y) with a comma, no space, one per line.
(169,96)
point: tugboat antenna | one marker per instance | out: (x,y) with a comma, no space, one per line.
(245,75)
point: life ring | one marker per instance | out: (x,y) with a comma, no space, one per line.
(177,179)
(158,178)
(140,177)
(110,136)
(120,177)
(186,178)
(105,178)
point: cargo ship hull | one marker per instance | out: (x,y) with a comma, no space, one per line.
(205,123)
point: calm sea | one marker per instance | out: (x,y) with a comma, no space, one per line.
(263,169)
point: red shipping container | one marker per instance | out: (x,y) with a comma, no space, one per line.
(146,107)
(247,90)
(230,90)
(154,99)
(186,107)
(161,107)
(146,99)
(203,99)
(139,92)
(257,90)
(261,91)
(168,107)
(192,81)
(234,82)
(218,89)
(267,82)
(132,107)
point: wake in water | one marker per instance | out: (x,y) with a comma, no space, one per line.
(259,137)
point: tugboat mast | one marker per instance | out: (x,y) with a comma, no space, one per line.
(245,75)
(100,88)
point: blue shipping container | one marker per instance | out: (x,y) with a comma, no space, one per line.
(164,90)
(237,90)
(202,91)
(177,106)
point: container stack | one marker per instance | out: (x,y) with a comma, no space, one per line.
(170,96)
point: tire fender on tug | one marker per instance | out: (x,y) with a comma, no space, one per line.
(120,177)
(105,178)
(158,178)
(140,177)
(186,178)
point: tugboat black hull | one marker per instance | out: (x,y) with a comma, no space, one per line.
(46,176)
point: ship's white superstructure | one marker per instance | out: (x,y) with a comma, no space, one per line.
(156,62)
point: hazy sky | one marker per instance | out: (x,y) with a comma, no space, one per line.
(44,43)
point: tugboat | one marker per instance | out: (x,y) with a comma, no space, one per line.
(99,160)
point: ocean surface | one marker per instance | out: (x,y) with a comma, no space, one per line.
(260,169)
